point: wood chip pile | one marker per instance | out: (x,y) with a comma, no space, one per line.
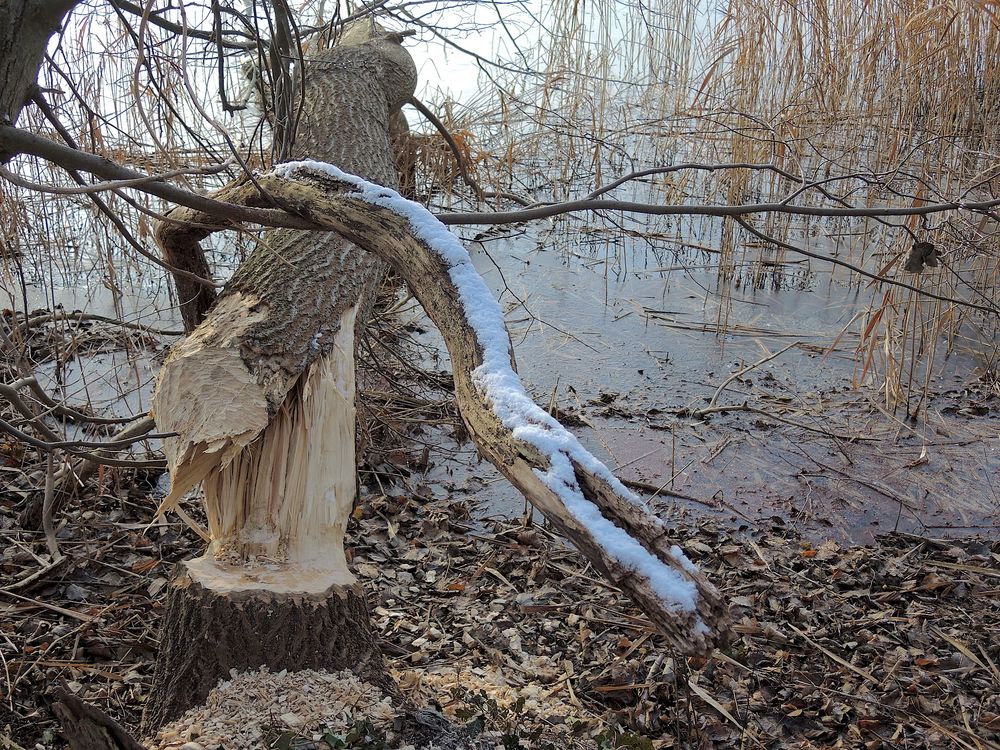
(254,709)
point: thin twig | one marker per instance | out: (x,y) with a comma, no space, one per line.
(744,371)
(47,507)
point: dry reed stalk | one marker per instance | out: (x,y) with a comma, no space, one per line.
(894,91)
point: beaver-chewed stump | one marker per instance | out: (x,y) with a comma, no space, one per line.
(260,402)
(222,617)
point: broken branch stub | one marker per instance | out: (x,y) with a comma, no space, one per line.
(574,490)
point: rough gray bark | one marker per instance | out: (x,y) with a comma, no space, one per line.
(25,29)
(205,634)
(342,123)
(194,300)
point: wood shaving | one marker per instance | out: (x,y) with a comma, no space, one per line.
(241,713)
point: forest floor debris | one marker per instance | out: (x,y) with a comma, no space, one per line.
(501,624)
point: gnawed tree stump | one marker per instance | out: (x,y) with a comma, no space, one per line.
(261,396)
(211,626)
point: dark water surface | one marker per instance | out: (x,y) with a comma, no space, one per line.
(626,337)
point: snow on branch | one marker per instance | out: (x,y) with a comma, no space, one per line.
(607,521)
(576,492)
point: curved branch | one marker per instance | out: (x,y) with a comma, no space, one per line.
(216,36)
(10,392)
(201,282)
(99,187)
(224,214)
(79,317)
(214,215)
(34,442)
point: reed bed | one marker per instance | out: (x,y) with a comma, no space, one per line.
(875,104)
(871,103)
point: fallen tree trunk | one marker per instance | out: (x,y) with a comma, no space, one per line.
(577,493)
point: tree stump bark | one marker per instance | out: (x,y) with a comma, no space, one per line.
(220,618)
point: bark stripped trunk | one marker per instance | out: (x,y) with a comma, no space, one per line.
(262,397)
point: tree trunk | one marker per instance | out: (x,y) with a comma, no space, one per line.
(25,29)
(261,396)
(211,626)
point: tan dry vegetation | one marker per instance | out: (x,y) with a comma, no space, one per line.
(887,103)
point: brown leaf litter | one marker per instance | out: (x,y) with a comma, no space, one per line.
(889,646)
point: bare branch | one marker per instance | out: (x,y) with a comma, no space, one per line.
(200,280)
(582,498)
(100,187)
(78,317)
(10,392)
(549,210)
(217,36)
(24,437)
(48,506)
(15,140)
(232,213)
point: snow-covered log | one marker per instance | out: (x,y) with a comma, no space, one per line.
(574,490)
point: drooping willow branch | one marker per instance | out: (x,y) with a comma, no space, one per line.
(198,280)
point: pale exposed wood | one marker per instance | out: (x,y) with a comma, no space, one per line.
(288,496)
(380,231)
(262,393)
(311,577)
(207,367)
